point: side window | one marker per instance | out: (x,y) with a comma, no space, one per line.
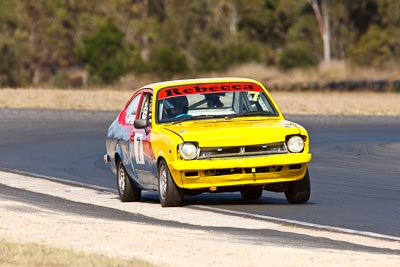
(145,109)
(264,104)
(130,115)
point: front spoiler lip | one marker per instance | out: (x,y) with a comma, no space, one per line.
(242,162)
(242,179)
(201,182)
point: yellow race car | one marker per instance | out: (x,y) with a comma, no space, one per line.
(187,137)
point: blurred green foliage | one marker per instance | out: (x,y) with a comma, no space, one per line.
(105,54)
(377,47)
(167,61)
(297,55)
(212,56)
(47,41)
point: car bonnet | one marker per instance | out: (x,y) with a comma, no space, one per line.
(237,133)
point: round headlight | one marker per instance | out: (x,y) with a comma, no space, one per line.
(188,150)
(295,144)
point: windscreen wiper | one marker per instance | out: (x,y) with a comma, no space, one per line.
(180,119)
(249,114)
(199,117)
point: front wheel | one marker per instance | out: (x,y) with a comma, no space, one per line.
(298,192)
(169,193)
(127,190)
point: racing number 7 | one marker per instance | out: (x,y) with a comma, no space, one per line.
(138,147)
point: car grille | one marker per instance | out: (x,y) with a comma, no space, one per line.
(242,151)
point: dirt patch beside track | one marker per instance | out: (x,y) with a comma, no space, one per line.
(334,103)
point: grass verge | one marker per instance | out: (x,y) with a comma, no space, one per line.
(29,254)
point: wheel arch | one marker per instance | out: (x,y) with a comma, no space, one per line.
(118,155)
(159,159)
(174,174)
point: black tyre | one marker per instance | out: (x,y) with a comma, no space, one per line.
(251,192)
(169,193)
(127,190)
(298,192)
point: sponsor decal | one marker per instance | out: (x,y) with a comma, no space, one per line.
(207,88)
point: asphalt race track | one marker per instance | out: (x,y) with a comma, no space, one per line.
(355,172)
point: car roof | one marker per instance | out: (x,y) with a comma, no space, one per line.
(159,85)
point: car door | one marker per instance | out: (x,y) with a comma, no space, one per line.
(126,121)
(142,156)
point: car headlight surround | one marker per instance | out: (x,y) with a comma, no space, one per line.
(295,144)
(188,150)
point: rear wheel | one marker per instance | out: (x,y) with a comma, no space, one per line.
(169,193)
(127,190)
(252,192)
(298,192)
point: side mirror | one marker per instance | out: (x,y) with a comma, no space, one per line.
(141,124)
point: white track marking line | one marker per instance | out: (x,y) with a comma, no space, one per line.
(300,223)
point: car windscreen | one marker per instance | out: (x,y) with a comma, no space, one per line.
(208,101)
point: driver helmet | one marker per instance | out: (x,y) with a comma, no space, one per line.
(176,105)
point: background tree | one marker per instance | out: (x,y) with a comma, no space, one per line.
(42,40)
(380,44)
(14,48)
(320,8)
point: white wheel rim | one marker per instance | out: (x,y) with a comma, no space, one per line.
(163,182)
(121,179)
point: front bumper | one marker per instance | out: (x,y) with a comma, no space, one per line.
(200,174)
